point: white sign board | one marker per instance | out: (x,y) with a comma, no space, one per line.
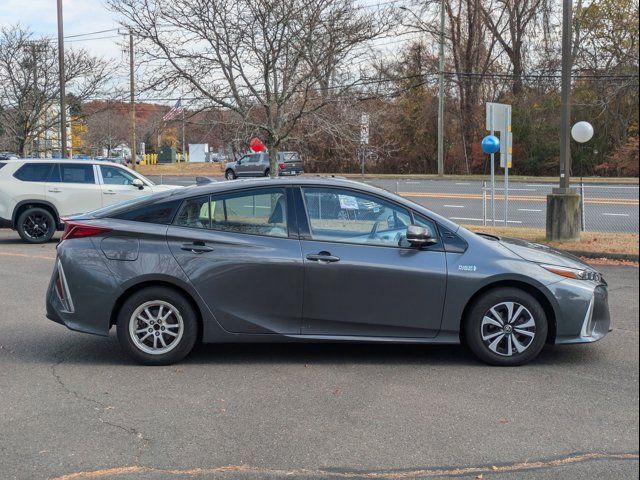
(198,152)
(499,121)
(364,129)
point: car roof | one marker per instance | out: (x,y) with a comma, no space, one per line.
(59,160)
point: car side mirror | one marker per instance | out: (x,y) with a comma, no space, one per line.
(139,184)
(419,236)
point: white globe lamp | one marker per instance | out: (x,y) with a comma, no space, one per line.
(582,132)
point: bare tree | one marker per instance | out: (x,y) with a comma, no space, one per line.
(510,21)
(271,62)
(29,88)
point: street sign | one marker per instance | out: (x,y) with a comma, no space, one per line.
(499,120)
(364,129)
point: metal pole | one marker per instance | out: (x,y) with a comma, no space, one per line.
(63,106)
(441,94)
(493,173)
(584,217)
(132,101)
(484,203)
(362,159)
(565,122)
(506,194)
(184,155)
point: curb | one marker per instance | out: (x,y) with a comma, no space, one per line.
(629,257)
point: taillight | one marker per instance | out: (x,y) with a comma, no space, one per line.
(281,166)
(79,230)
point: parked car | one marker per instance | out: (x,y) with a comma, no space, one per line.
(36,194)
(249,261)
(8,156)
(257,165)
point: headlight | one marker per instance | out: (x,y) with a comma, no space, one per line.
(574,273)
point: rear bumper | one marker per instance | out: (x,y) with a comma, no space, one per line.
(285,173)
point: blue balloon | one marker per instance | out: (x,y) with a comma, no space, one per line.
(490,144)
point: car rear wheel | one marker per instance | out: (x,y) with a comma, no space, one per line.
(506,327)
(267,172)
(157,326)
(36,225)
(230,175)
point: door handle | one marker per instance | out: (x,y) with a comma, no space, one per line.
(55,190)
(196,247)
(323,257)
(109,192)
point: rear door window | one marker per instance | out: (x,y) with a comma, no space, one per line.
(72,173)
(33,172)
(262,212)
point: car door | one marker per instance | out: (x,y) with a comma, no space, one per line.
(73,188)
(237,252)
(243,166)
(116,185)
(359,281)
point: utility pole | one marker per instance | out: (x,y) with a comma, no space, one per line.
(63,106)
(441,94)
(565,93)
(564,203)
(132,101)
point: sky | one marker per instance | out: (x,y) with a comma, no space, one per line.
(80,16)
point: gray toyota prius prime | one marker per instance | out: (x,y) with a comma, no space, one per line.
(313,259)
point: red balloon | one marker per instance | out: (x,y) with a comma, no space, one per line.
(256,145)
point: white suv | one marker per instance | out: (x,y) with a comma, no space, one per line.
(36,194)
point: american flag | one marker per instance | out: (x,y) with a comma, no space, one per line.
(174,112)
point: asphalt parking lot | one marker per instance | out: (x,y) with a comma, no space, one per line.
(73,407)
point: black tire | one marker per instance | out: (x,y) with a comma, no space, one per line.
(230,175)
(36,225)
(185,342)
(267,172)
(499,341)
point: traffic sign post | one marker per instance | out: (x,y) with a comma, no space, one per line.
(499,120)
(364,138)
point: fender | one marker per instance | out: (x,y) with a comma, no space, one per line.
(14,215)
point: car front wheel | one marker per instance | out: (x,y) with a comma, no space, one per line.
(36,225)
(230,175)
(157,326)
(506,327)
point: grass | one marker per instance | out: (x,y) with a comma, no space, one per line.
(187,169)
(191,169)
(591,242)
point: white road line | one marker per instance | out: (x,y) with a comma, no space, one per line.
(454,206)
(467,219)
(412,182)
(463,183)
(616,214)
(529,210)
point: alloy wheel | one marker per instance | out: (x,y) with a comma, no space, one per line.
(36,226)
(508,329)
(156,327)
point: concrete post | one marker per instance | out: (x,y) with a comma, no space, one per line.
(563,215)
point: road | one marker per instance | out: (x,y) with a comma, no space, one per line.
(73,407)
(608,208)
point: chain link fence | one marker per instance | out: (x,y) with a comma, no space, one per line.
(606,208)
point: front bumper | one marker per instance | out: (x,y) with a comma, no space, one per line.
(584,314)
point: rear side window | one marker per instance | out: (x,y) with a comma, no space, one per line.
(263,212)
(33,172)
(159,213)
(194,213)
(73,173)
